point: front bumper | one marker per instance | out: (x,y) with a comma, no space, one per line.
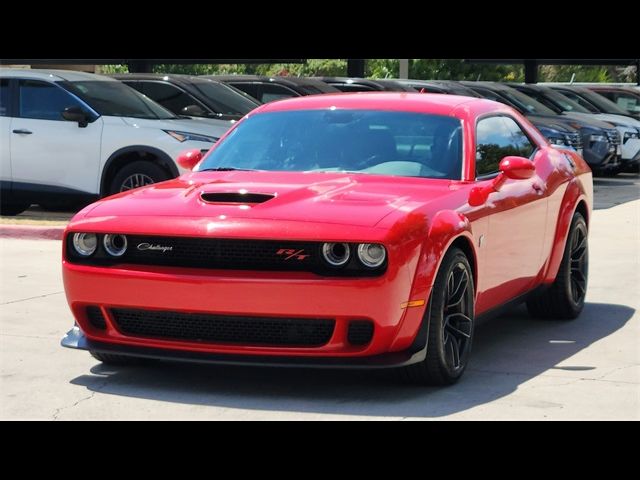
(77,340)
(262,294)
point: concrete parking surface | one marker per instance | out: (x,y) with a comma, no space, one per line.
(521,368)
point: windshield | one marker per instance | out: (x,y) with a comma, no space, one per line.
(525,102)
(361,141)
(117,99)
(604,104)
(225,99)
(566,104)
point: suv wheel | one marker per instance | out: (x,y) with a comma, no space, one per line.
(137,174)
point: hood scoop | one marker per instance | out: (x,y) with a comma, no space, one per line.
(241,197)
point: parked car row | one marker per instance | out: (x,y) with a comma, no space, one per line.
(67,138)
(606,135)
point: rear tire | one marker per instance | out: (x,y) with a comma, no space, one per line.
(112,359)
(12,209)
(564,299)
(450,314)
(137,174)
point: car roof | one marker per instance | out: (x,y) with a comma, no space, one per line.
(439,104)
(42,74)
(289,81)
(171,77)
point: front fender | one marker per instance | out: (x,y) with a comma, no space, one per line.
(444,229)
(573,195)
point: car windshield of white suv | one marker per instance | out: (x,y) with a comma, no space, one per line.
(355,141)
(118,100)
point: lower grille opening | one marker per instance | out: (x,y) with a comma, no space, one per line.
(360,332)
(96,318)
(288,332)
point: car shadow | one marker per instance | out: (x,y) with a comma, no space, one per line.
(508,351)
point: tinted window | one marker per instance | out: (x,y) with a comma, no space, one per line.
(4,97)
(117,99)
(498,137)
(43,100)
(352,87)
(248,88)
(225,99)
(579,100)
(169,96)
(361,141)
(272,92)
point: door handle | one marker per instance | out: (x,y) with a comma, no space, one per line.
(23,131)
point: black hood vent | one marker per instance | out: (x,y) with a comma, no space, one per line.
(236,197)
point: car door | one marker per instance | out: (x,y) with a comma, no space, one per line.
(5,135)
(48,153)
(513,245)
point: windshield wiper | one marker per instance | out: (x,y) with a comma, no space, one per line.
(228,169)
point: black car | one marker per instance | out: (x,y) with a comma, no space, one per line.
(594,101)
(599,140)
(192,96)
(439,86)
(352,84)
(267,89)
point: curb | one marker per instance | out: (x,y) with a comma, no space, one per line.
(34,232)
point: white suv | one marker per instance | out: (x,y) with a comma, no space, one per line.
(72,137)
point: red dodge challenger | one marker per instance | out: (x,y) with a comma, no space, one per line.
(350,230)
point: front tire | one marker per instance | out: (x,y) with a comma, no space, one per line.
(450,314)
(564,299)
(137,174)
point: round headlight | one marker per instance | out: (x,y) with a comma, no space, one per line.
(336,254)
(372,255)
(85,243)
(115,245)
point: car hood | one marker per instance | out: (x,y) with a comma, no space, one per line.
(586,120)
(210,127)
(615,119)
(349,199)
(550,122)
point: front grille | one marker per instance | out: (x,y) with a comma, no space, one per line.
(360,332)
(614,136)
(222,253)
(96,318)
(200,327)
(575,140)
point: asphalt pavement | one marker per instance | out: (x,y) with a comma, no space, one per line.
(521,368)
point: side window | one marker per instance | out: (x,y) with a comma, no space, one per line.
(43,100)
(496,138)
(169,96)
(272,92)
(4,97)
(248,88)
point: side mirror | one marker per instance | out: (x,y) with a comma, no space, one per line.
(517,168)
(512,167)
(189,158)
(194,111)
(76,114)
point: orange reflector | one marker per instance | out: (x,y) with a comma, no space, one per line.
(412,303)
